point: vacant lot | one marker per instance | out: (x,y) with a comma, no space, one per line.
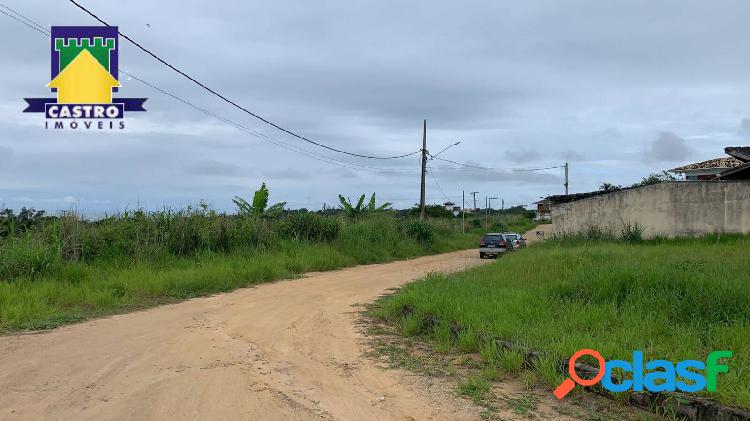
(674,299)
(61,270)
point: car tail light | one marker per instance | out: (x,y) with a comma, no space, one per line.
(481,243)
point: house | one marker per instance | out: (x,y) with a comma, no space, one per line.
(449,206)
(707,170)
(543,210)
(728,167)
(740,172)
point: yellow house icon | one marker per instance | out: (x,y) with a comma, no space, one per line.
(84,81)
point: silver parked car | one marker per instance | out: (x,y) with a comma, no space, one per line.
(493,245)
(516,239)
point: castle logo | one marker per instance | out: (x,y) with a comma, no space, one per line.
(84,74)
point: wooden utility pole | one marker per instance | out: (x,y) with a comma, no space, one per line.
(566,178)
(424,170)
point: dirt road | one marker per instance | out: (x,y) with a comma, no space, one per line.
(285,350)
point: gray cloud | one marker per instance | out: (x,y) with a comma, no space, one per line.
(744,129)
(523,155)
(213,168)
(571,156)
(6,155)
(668,147)
(586,82)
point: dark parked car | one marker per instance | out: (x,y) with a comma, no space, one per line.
(493,245)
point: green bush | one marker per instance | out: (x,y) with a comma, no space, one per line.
(26,258)
(419,230)
(310,227)
(631,232)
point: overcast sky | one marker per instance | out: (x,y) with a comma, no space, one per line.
(618,89)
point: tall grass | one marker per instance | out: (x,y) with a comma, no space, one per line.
(65,269)
(674,299)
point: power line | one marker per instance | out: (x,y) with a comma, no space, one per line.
(231,102)
(19,20)
(30,23)
(345,164)
(495,169)
(437,184)
(275,141)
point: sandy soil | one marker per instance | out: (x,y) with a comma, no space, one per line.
(284,350)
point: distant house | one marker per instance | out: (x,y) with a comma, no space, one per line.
(449,206)
(707,170)
(543,210)
(732,167)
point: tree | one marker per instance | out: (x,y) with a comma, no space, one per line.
(432,211)
(655,178)
(609,187)
(359,209)
(258,208)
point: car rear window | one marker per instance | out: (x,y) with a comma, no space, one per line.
(512,236)
(492,237)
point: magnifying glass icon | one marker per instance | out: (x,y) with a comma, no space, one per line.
(568,384)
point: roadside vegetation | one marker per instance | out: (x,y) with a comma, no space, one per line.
(62,269)
(674,299)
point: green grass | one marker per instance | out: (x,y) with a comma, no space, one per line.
(523,405)
(475,388)
(674,299)
(69,292)
(64,270)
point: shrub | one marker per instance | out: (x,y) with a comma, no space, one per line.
(27,258)
(186,236)
(631,232)
(419,231)
(310,227)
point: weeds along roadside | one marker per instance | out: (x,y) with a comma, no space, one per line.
(674,299)
(63,269)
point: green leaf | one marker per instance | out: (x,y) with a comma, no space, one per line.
(347,206)
(275,210)
(371,205)
(260,200)
(243,208)
(361,200)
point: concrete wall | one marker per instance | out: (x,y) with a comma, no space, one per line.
(666,209)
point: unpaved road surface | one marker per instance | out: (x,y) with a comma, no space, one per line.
(284,350)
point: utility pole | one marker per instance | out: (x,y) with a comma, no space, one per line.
(489,205)
(474,193)
(566,178)
(424,170)
(502,204)
(486,209)
(463,211)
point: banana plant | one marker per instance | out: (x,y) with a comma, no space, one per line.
(259,206)
(353,211)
